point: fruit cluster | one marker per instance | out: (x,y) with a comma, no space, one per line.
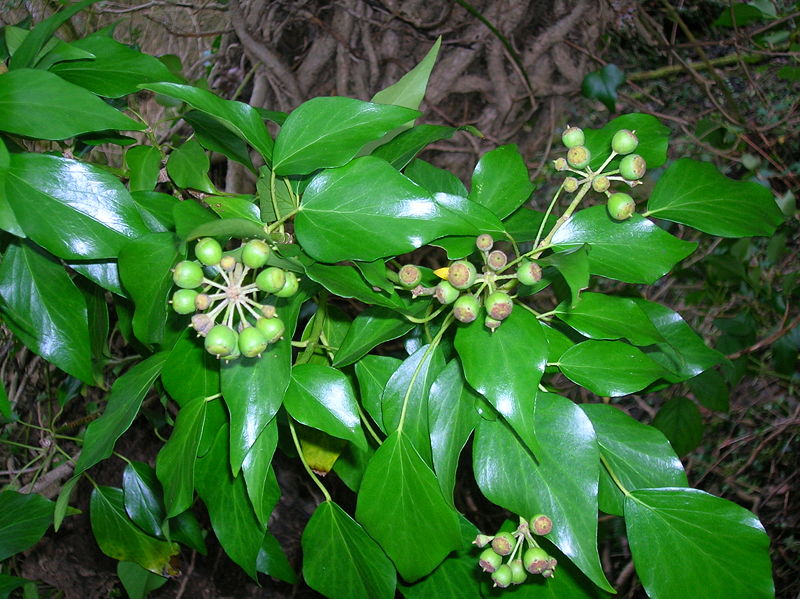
(533,560)
(631,168)
(246,327)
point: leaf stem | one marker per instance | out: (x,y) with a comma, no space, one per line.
(283,219)
(299,449)
(613,475)
(563,218)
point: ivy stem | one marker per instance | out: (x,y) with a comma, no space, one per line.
(613,475)
(283,219)
(299,449)
(546,214)
(316,329)
(563,218)
(607,162)
(367,425)
(273,196)
(209,282)
(427,318)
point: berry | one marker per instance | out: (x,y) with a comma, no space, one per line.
(560,164)
(489,561)
(202,323)
(187,274)
(491,323)
(573,136)
(183,301)
(535,560)
(271,279)
(410,276)
(503,543)
(484,242)
(570,184)
(579,157)
(497,259)
(498,305)
(208,251)
(502,576)
(624,141)
(221,340)
(268,311)
(227,263)
(255,254)
(290,287)
(541,524)
(272,328)
(461,274)
(202,301)
(252,341)
(518,573)
(621,206)
(632,167)
(482,540)
(466,308)
(445,293)
(601,184)
(529,273)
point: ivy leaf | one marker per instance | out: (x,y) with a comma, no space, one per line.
(435,179)
(409,90)
(602,85)
(371,327)
(574,267)
(190,371)
(24,518)
(404,147)
(373,373)
(680,421)
(500,181)
(215,136)
(603,316)
(716,548)
(143,499)
(653,139)
(188,166)
(144,164)
(710,390)
(262,487)
(137,581)
(347,281)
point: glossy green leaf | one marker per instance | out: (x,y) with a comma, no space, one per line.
(716,548)
(474,216)
(262,488)
(561,482)
(367,210)
(697,194)
(45,310)
(400,503)
(602,85)
(284,201)
(327,132)
(574,267)
(603,316)
(188,166)
(341,561)
(242,119)
(609,368)
(634,250)
(452,418)
(121,539)
(227,227)
(240,207)
(104,273)
(143,499)
(123,405)
(190,371)
(72,209)
(500,181)
(115,71)
(404,147)
(710,390)
(638,455)
(557,342)
(214,136)
(175,462)
(323,398)
(29,99)
(24,518)
(11,583)
(435,179)
(156,206)
(149,282)
(409,90)
(506,367)
(272,560)
(137,581)
(524,224)
(347,281)
(653,139)
(144,165)
(680,421)
(373,373)
(410,384)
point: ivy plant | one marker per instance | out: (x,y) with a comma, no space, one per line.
(234,305)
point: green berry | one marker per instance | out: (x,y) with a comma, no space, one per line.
(461,274)
(579,157)
(252,342)
(632,167)
(570,184)
(518,573)
(273,328)
(221,340)
(621,206)
(502,576)
(491,323)
(187,274)
(529,273)
(410,276)
(496,259)
(498,305)
(535,560)
(255,254)
(489,561)
(227,263)
(271,279)
(573,136)
(484,242)
(601,184)
(290,287)
(208,251)
(445,293)
(560,164)
(541,524)
(503,543)
(466,308)
(624,141)
(183,301)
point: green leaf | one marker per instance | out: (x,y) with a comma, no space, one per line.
(404,147)
(242,119)
(123,405)
(474,217)
(188,166)
(185,529)
(24,518)
(653,140)
(452,418)
(239,207)
(500,181)
(409,90)
(144,503)
(104,273)
(638,455)
(574,267)
(634,250)
(744,13)
(115,71)
(149,281)
(45,310)
(190,371)
(697,194)
(11,583)
(680,421)
(72,209)
(328,132)
(226,227)
(602,85)
(400,503)
(175,462)
(347,281)
(137,581)
(373,373)
(561,482)
(119,538)
(715,548)
(283,195)
(272,560)
(322,397)
(434,179)
(5,405)
(215,136)
(144,165)
(158,207)
(367,210)
(603,316)
(262,487)
(30,98)
(609,368)
(506,366)
(710,390)
(341,561)
(524,224)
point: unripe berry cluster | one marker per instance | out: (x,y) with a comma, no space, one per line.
(224,305)
(509,545)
